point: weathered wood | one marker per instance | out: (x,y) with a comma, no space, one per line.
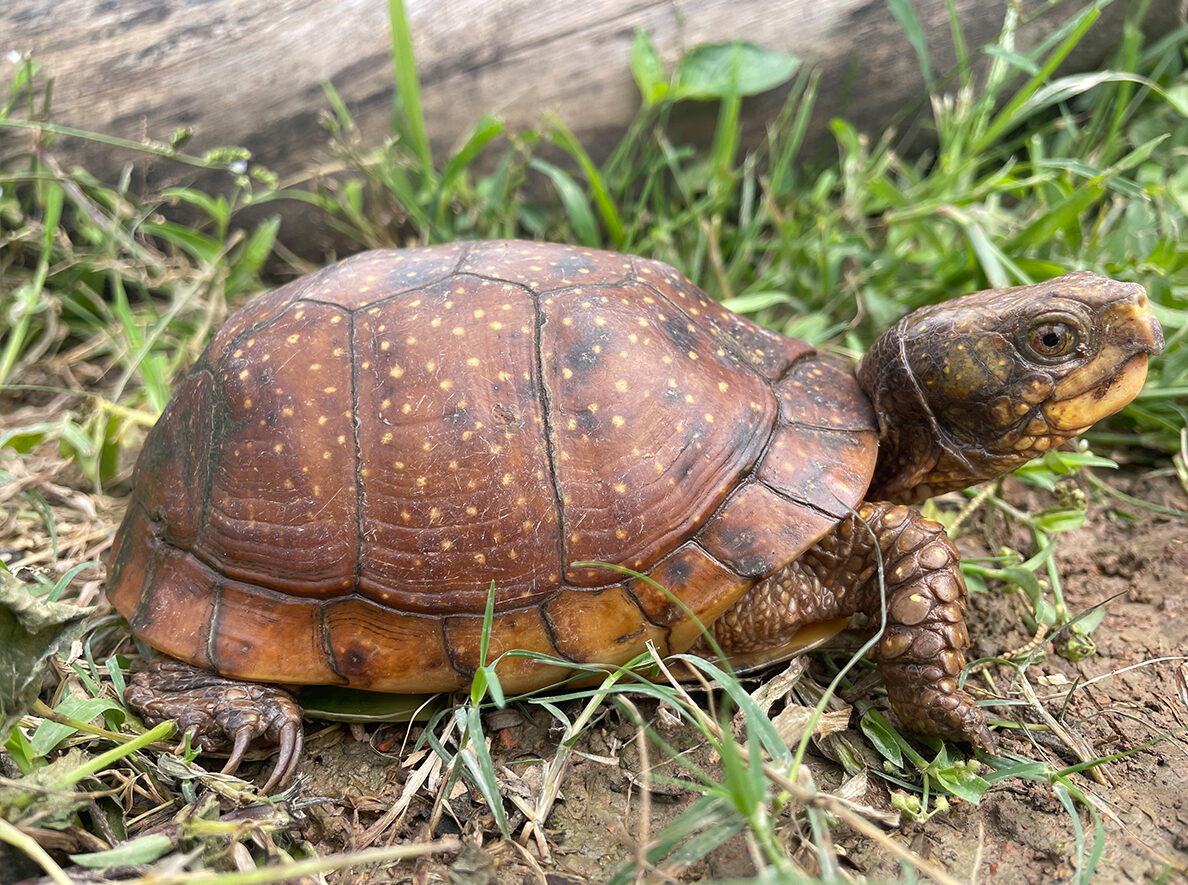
(249,73)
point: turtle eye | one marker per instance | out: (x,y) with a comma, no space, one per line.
(1050,340)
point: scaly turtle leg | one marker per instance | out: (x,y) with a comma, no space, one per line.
(922,651)
(223,715)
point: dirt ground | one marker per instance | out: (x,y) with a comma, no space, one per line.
(1133,691)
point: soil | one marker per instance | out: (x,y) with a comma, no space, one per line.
(1129,699)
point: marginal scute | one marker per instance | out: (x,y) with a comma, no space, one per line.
(379,649)
(704,586)
(255,315)
(269,637)
(758,530)
(177,605)
(522,630)
(794,464)
(600,626)
(822,392)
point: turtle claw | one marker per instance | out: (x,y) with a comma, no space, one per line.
(243,739)
(223,715)
(290,742)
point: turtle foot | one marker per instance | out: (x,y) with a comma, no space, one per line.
(928,701)
(222,715)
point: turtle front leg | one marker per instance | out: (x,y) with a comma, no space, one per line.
(223,715)
(922,651)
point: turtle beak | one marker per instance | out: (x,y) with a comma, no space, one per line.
(1116,374)
(1131,319)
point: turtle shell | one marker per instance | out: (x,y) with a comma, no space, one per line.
(361,457)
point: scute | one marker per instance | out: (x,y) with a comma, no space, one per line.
(378,444)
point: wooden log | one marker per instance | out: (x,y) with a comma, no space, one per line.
(241,72)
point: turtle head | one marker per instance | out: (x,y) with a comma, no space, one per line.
(974,387)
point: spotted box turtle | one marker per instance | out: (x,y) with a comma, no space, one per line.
(360,455)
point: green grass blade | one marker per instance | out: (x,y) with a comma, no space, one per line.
(1012,115)
(408,86)
(581,216)
(906,16)
(611,220)
(29,294)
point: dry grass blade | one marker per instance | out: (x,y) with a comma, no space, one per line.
(309,867)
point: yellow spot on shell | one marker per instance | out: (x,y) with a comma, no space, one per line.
(396,371)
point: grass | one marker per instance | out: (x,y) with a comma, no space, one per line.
(106,298)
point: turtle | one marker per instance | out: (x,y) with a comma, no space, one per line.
(366,456)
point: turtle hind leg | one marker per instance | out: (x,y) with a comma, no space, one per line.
(922,651)
(222,715)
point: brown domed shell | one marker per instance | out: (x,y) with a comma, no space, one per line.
(362,454)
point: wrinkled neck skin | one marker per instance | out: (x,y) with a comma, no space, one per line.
(919,456)
(973,388)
